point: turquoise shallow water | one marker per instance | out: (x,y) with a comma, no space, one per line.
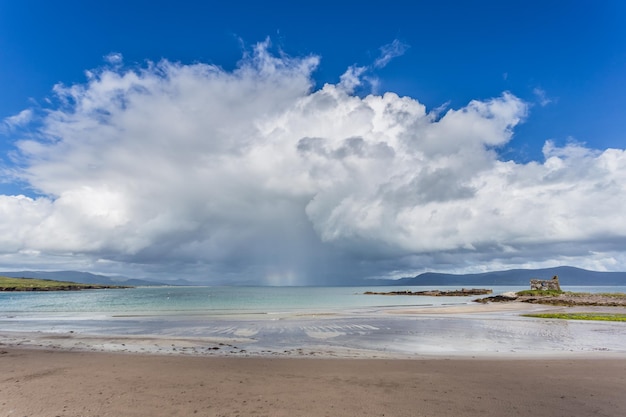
(227,300)
(212,300)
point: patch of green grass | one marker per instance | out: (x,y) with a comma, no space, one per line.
(550,293)
(555,293)
(33,284)
(579,316)
(601,294)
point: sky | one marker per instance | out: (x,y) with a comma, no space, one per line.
(282,144)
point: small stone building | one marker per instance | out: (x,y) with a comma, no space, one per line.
(545,284)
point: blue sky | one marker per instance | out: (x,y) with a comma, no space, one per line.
(560,66)
(573,51)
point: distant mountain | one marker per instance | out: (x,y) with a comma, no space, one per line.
(81,277)
(568,276)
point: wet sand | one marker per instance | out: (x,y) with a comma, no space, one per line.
(468,360)
(465,331)
(61,383)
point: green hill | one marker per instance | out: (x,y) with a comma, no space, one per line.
(33,284)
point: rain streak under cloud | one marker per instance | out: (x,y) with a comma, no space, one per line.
(256,175)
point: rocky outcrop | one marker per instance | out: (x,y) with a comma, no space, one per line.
(562,299)
(499,298)
(578,299)
(464,292)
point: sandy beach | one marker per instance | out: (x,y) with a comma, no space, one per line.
(59,383)
(465,360)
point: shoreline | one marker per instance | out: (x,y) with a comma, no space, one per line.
(98,384)
(447,361)
(455,331)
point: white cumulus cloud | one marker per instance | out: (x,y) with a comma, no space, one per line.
(251,174)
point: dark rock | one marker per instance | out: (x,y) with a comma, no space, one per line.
(437,293)
(500,298)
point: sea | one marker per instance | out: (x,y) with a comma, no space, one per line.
(341,321)
(216,301)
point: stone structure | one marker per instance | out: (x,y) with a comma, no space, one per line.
(545,284)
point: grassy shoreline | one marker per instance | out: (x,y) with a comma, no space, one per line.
(554,293)
(579,316)
(34,284)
